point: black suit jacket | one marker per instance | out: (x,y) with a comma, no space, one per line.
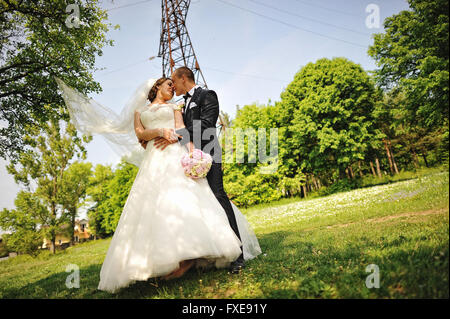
(200,117)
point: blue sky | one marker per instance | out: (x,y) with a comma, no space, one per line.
(249,50)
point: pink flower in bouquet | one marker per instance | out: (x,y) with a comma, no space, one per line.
(196,164)
(201,170)
(185,161)
(197,154)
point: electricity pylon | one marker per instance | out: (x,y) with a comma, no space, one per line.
(175,47)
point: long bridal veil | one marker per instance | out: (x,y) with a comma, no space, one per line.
(90,117)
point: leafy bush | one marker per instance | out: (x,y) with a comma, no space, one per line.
(342,185)
(253,189)
(24,241)
(3,251)
(443,150)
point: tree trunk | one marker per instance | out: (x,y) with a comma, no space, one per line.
(393,158)
(415,159)
(306,182)
(425,159)
(377,162)
(372,169)
(53,239)
(391,166)
(72,230)
(351,172)
(346,172)
(360,169)
(395,164)
(315,182)
(52,246)
(304,191)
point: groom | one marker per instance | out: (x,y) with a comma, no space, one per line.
(200,113)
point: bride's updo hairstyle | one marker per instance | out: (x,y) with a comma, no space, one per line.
(155,88)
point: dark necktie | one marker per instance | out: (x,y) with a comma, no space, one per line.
(186,96)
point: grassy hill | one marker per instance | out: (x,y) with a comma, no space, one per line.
(312,248)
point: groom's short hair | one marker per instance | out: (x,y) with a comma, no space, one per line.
(184,71)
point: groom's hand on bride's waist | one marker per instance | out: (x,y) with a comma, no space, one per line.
(162,143)
(168,137)
(143,143)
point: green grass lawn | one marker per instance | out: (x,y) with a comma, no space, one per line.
(312,248)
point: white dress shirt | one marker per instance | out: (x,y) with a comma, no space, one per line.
(191,93)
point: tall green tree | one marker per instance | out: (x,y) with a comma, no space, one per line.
(97,194)
(413,54)
(327,110)
(118,188)
(44,163)
(24,223)
(73,187)
(243,180)
(403,141)
(39,39)
(387,116)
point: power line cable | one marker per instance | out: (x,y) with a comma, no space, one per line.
(307,18)
(329,9)
(241,74)
(293,26)
(203,67)
(128,5)
(123,68)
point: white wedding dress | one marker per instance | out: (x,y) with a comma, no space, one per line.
(169,217)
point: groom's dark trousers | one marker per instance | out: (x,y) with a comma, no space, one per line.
(204,108)
(215,181)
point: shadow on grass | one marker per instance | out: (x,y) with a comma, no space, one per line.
(290,266)
(299,270)
(54,286)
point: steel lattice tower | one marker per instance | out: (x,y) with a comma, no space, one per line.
(175,46)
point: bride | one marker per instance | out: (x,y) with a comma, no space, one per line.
(169,222)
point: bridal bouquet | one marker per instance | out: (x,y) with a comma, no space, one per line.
(196,164)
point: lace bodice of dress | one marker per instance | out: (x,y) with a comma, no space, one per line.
(158,115)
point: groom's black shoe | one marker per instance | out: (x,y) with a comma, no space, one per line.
(237,265)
